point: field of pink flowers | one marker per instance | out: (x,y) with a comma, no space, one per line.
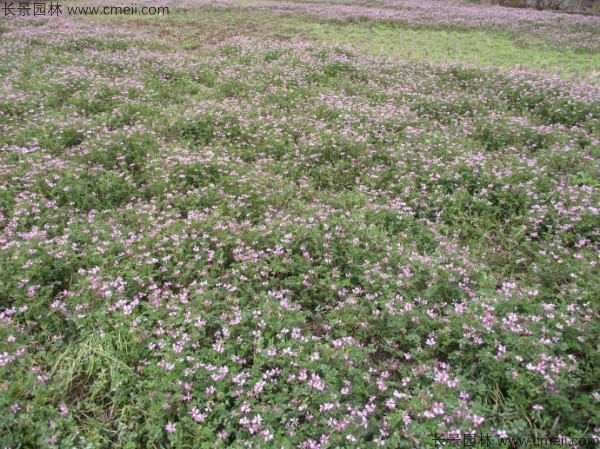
(563,30)
(558,30)
(287,244)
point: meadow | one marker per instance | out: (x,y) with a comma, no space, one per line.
(300,224)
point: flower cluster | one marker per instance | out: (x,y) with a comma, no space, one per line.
(547,27)
(289,245)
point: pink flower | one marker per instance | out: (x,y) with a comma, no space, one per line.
(478,420)
(501,433)
(63,410)
(198,416)
(170,428)
(438,408)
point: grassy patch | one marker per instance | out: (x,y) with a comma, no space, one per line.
(198,29)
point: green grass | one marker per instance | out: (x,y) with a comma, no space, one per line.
(202,28)
(481,48)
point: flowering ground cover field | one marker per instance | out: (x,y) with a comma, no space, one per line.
(240,225)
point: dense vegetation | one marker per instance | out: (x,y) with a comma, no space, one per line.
(289,243)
